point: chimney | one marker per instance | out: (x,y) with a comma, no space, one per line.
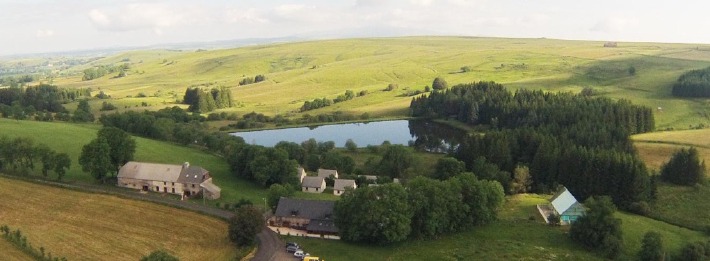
(185,165)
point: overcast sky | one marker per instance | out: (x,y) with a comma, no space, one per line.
(30,26)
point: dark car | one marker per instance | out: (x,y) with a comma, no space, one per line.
(292,244)
(292,249)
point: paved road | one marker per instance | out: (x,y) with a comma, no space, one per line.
(271,248)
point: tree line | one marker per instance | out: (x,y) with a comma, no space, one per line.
(565,139)
(100,71)
(21,155)
(20,241)
(202,101)
(42,97)
(170,124)
(423,208)
(694,84)
(324,102)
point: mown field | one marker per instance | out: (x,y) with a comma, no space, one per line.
(520,234)
(9,252)
(302,71)
(83,226)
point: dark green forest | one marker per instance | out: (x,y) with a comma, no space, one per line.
(695,83)
(577,141)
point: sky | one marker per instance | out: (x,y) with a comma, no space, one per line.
(38,26)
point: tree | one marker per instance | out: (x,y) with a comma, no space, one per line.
(351,145)
(651,247)
(439,84)
(276,192)
(122,146)
(684,168)
(379,215)
(598,229)
(160,255)
(96,159)
(448,167)
(436,205)
(62,162)
(395,161)
(465,69)
(246,223)
(46,156)
(521,180)
(83,112)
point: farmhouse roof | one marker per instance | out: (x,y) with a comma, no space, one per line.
(209,186)
(563,200)
(312,182)
(369,177)
(162,172)
(322,225)
(309,209)
(341,184)
(327,172)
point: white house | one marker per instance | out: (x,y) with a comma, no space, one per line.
(313,184)
(566,207)
(324,173)
(341,184)
(301,174)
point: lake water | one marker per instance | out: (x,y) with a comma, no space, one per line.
(427,135)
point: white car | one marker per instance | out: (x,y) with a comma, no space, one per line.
(300,254)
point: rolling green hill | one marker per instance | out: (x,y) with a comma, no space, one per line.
(70,138)
(297,72)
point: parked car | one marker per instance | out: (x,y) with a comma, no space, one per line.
(311,258)
(292,244)
(292,249)
(300,254)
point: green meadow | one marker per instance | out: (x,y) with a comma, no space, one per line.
(519,234)
(70,138)
(298,72)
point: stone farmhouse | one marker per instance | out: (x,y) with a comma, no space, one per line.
(341,184)
(309,216)
(184,180)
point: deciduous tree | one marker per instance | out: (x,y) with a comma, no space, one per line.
(246,223)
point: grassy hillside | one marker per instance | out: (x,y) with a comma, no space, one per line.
(85,226)
(70,138)
(520,234)
(677,204)
(9,252)
(297,72)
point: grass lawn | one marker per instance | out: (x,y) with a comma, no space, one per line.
(9,252)
(674,237)
(686,206)
(84,226)
(70,138)
(302,71)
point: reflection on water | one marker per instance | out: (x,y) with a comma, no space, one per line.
(423,135)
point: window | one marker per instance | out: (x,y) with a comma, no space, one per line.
(173,184)
(165,183)
(193,185)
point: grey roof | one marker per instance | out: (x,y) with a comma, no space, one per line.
(162,172)
(313,182)
(341,184)
(209,186)
(192,174)
(327,172)
(563,200)
(302,208)
(322,225)
(150,171)
(369,177)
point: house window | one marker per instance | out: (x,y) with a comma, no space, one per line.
(157,188)
(165,183)
(173,184)
(193,185)
(173,190)
(317,189)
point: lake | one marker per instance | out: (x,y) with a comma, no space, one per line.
(423,134)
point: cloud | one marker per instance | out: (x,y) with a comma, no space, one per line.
(139,16)
(421,2)
(44,33)
(614,25)
(249,16)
